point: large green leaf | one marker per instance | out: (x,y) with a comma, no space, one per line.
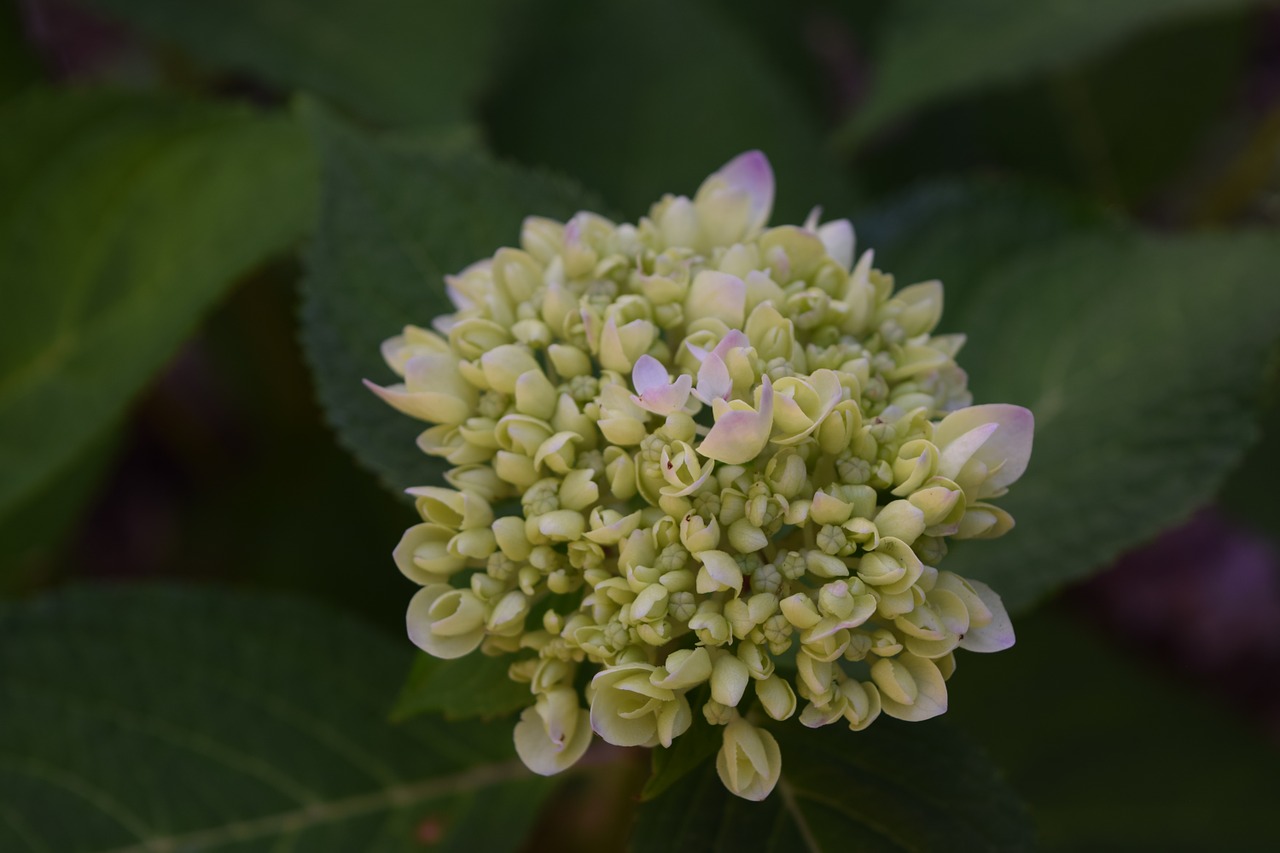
(933,50)
(1110,757)
(895,786)
(163,718)
(641,99)
(388,60)
(123,218)
(395,219)
(19,66)
(962,230)
(1142,358)
(473,686)
(1088,322)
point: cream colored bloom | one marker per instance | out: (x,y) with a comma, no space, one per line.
(686,449)
(749,761)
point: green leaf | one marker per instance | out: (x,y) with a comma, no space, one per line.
(962,230)
(395,219)
(387,60)
(166,718)
(19,66)
(686,754)
(36,533)
(1111,757)
(1142,358)
(474,686)
(934,50)
(124,217)
(895,786)
(682,91)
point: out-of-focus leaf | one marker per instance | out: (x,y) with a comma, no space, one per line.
(388,60)
(686,754)
(934,50)
(395,219)
(162,718)
(124,217)
(1110,757)
(474,686)
(33,535)
(962,231)
(1119,125)
(19,67)
(638,100)
(1142,358)
(895,786)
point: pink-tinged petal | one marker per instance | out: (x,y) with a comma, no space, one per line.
(730,341)
(649,374)
(666,399)
(714,382)
(733,338)
(751,173)
(740,433)
(996,635)
(998,435)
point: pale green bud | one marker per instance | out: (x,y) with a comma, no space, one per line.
(758,663)
(628,710)
(776,697)
(862,703)
(711,627)
(900,520)
(893,567)
(508,614)
(719,572)
(746,537)
(984,521)
(553,734)
(911,688)
(749,762)
(433,390)
(414,341)
(446,622)
(729,679)
(423,554)
(684,669)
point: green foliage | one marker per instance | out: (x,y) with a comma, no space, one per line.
(390,61)
(933,50)
(687,753)
(396,218)
(1109,756)
(895,786)
(166,202)
(154,717)
(685,91)
(19,66)
(1094,327)
(1142,359)
(474,686)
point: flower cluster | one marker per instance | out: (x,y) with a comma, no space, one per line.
(700,466)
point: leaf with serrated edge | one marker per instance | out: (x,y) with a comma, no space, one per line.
(395,220)
(153,717)
(1142,358)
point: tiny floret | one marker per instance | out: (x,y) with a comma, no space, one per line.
(700,465)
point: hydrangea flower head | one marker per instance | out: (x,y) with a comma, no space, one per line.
(689,449)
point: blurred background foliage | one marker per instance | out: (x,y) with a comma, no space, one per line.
(202,636)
